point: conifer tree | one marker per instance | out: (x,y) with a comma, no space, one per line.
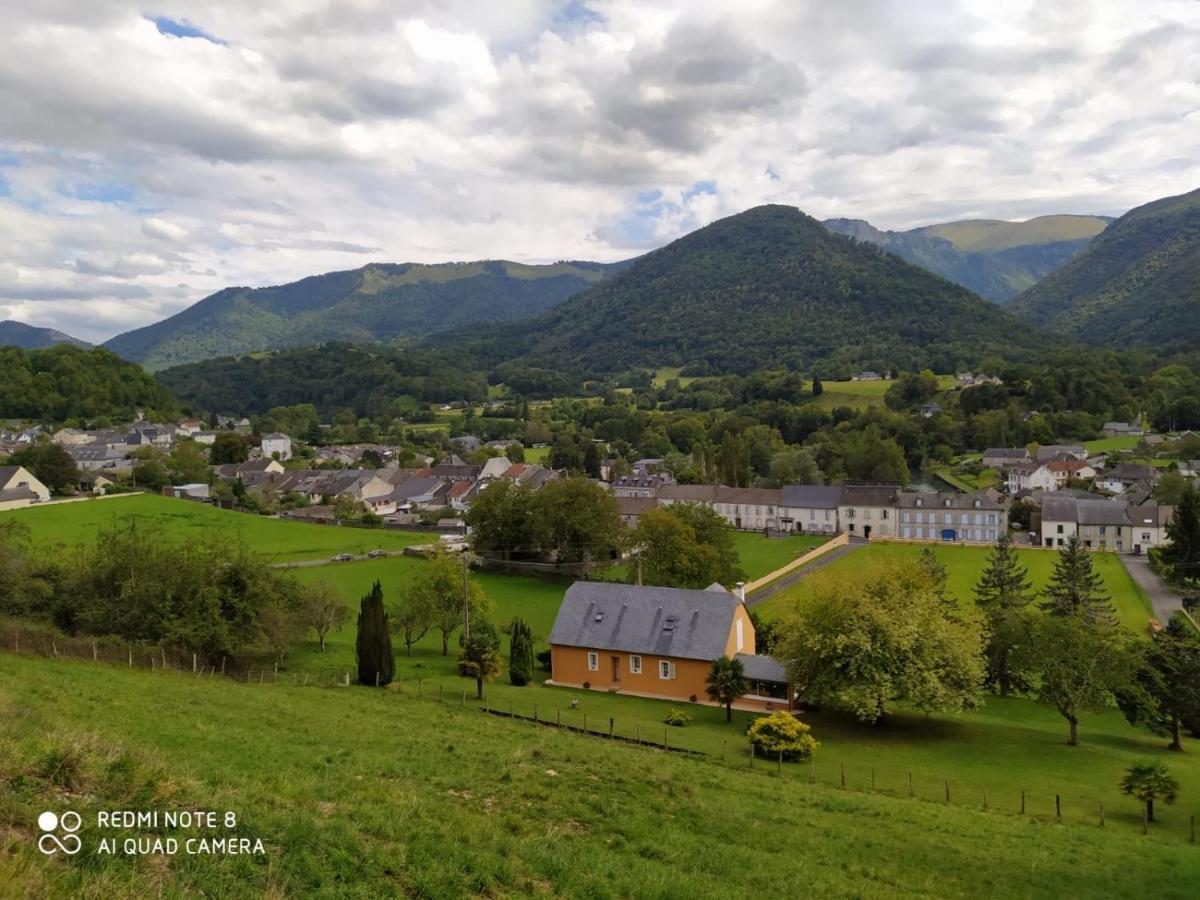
(520,653)
(1004,593)
(1183,550)
(373,646)
(1075,588)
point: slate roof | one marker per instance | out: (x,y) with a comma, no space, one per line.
(1085,512)
(632,619)
(762,668)
(811,496)
(24,493)
(688,493)
(945,500)
(1006,452)
(869,495)
(748,496)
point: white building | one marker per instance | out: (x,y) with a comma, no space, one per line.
(276,445)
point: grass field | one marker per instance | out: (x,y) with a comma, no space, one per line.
(964,565)
(665,374)
(985,479)
(364,793)
(761,555)
(1110,444)
(74,523)
(537,454)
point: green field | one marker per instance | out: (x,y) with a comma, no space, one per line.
(74,523)
(363,793)
(537,454)
(666,373)
(964,565)
(985,479)
(762,555)
(1110,444)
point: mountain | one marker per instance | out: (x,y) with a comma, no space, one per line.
(377,303)
(766,288)
(993,258)
(30,337)
(1137,284)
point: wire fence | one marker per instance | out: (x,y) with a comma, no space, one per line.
(735,752)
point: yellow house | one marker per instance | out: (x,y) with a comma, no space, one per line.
(657,642)
(19,488)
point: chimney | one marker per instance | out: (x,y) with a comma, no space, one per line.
(740,591)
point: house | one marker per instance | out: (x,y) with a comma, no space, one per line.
(466,443)
(1001,457)
(631,508)
(276,445)
(867,376)
(459,495)
(100,457)
(1053,451)
(868,509)
(1067,468)
(19,488)
(642,483)
(945,516)
(194,491)
(188,427)
(93,483)
(1126,476)
(208,438)
(657,642)
(1029,476)
(494,468)
(929,410)
(1102,524)
(749,509)
(1121,429)
(809,508)
(67,437)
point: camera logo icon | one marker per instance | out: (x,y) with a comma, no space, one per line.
(50,842)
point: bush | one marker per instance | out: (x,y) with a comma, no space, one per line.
(543,659)
(781,731)
(677,717)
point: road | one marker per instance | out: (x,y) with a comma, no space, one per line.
(1164,600)
(791,578)
(313,563)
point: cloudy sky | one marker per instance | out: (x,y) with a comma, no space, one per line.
(152,153)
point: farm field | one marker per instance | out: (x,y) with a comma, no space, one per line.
(74,523)
(964,565)
(363,793)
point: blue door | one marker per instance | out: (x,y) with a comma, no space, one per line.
(948,534)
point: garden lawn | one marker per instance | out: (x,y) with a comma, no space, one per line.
(358,792)
(761,555)
(187,520)
(964,566)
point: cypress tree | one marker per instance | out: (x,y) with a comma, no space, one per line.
(1075,588)
(373,646)
(1003,594)
(817,388)
(520,653)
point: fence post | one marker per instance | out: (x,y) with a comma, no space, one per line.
(377,676)
(1058,807)
(843,767)
(1022,803)
(487,704)
(947,791)
(222,665)
(262,676)
(95,656)
(130,656)
(724,748)
(610,727)
(666,740)
(779,764)
(1101,813)
(536,720)
(194,663)
(1145,820)
(54,647)
(464,698)
(910,785)
(585,723)
(164,658)
(872,778)
(1191,829)
(346,679)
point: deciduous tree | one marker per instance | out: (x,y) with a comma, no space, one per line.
(324,610)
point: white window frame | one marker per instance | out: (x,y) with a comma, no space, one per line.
(666,670)
(635,664)
(741,637)
(593,661)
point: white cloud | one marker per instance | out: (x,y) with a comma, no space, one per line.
(141,170)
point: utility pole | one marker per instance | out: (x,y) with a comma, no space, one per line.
(466,598)
(639,566)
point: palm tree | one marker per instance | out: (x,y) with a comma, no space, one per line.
(726,682)
(1149,782)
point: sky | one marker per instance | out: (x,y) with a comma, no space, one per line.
(153,153)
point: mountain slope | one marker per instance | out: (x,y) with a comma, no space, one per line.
(379,302)
(30,337)
(1137,284)
(767,288)
(995,259)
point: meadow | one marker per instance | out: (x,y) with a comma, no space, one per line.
(278,539)
(357,792)
(964,565)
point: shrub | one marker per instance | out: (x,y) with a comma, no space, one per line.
(543,659)
(677,717)
(781,731)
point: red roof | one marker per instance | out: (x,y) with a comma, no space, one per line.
(516,470)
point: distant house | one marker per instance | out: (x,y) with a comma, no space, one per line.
(195,491)
(495,468)
(207,438)
(945,516)
(93,483)
(657,642)
(1050,451)
(1102,524)
(1126,476)
(749,509)
(631,508)
(466,443)
(929,410)
(276,445)
(1121,429)
(1029,476)
(642,483)
(810,508)
(70,436)
(1000,457)
(867,376)
(19,488)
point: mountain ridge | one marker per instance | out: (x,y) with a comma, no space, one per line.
(33,337)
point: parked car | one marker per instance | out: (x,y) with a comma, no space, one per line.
(375,554)
(342,557)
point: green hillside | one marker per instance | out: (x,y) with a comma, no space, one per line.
(767,287)
(995,259)
(362,793)
(30,337)
(379,302)
(1137,284)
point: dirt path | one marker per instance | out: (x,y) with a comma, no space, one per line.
(1164,600)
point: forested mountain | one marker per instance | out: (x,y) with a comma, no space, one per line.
(767,288)
(377,303)
(995,259)
(373,381)
(30,337)
(1137,284)
(67,382)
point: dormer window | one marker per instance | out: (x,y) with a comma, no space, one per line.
(599,617)
(670,622)
(920,502)
(946,503)
(978,504)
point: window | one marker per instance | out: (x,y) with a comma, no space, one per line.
(666,670)
(1145,535)
(883,514)
(741,638)
(1060,529)
(593,662)
(635,664)
(907,517)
